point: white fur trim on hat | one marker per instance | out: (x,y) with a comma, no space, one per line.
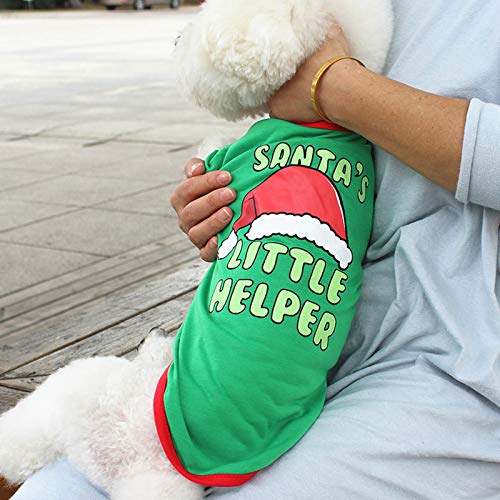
(227,245)
(305,227)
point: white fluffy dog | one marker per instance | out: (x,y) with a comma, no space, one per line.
(97,412)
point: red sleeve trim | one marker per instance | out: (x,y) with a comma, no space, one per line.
(163,430)
(323,125)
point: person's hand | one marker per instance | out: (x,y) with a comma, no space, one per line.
(201,202)
(293,101)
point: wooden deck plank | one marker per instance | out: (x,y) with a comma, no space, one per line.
(119,340)
(72,276)
(14,323)
(33,343)
(23,384)
(177,257)
(9,397)
(88,277)
(6,491)
(39,295)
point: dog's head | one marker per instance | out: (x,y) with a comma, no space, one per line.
(238,53)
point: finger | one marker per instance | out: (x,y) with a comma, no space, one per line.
(195,187)
(201,209)
(194,167)
(204,231)
(209,252)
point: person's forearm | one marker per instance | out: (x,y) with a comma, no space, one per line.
(423,130)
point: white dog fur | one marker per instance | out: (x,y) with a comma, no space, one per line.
(239,53)
(98,412)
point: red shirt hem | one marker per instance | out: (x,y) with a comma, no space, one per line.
(163,430)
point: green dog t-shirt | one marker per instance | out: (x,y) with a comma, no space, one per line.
(271,316)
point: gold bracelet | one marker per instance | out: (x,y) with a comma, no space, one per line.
(317,79)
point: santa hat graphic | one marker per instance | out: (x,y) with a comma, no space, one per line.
(298,202)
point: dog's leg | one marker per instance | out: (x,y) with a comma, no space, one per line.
(164,484)
(156,350)
(42,427)
(26,436)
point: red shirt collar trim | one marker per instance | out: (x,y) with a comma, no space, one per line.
(323,125)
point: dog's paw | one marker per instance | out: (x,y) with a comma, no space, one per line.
(24,447)
(156,332)
(156,349)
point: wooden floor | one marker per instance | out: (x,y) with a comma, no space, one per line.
(6,492)
(103,308)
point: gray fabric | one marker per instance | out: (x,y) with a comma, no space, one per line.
(480,170)
(413,409)
(58,481)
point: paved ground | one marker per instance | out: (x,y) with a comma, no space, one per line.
(93,137)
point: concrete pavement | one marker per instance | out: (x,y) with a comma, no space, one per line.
(93,138)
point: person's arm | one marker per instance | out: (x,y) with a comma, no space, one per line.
(434,135)
(425,131)
(453,142)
